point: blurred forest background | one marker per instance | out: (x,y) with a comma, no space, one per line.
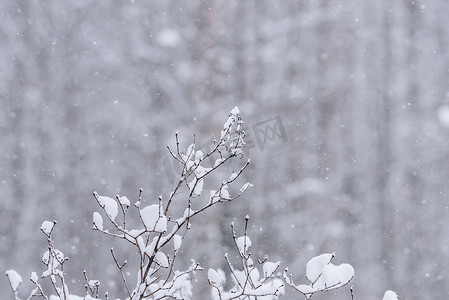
(346,104)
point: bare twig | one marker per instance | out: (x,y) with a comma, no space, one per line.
(120,267)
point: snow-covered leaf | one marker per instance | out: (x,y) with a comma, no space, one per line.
(390,295)
(214,278)
(154,218)
(56,254)
(233,176)
(196,186)
(98,221)
(161,260)
(124,201)
(47,227)
(235,111)
(109,205)
(336,276)
(255,276)
(243,244)
(225,133)
(188,212)
(314,267)
(33,277)
(190,164)
(323,275)
(93,283)
(224,192)
(218,161)
(214,196)
(177,240)
(149,250)
(135,232)
(245,187)
(14,279)
(198,156)
(269,268)
(201,171)
(189,154)
(269,290)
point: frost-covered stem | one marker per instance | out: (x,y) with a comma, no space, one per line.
(192,214)
(267,278)
(147,284)
(173,193)
(289,281)
(173,155)
(246,227)
(140,195)
(233,179)
(87,286)
(217,288)
(189,214)
(50,262)
(171,285)
(248,270)
(185,174)
(351,290)
(151,259)
(231,268)
(142,262)
(186,220)
(180,274)
(124,211)
(120,267)
(172,263)
(160,213)
(16,292)
(208,172)
(177,144)
(154,280)
(157,247)
(65,292)
(37,289)
(92,289)
(112,234)
(125,236)
(222,162)
(192,150)
(16,295)
(244,256)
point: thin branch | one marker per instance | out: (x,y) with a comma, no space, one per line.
(120,267)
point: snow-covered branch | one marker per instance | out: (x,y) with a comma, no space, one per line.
(248,283)
(161,232)
(322,275)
